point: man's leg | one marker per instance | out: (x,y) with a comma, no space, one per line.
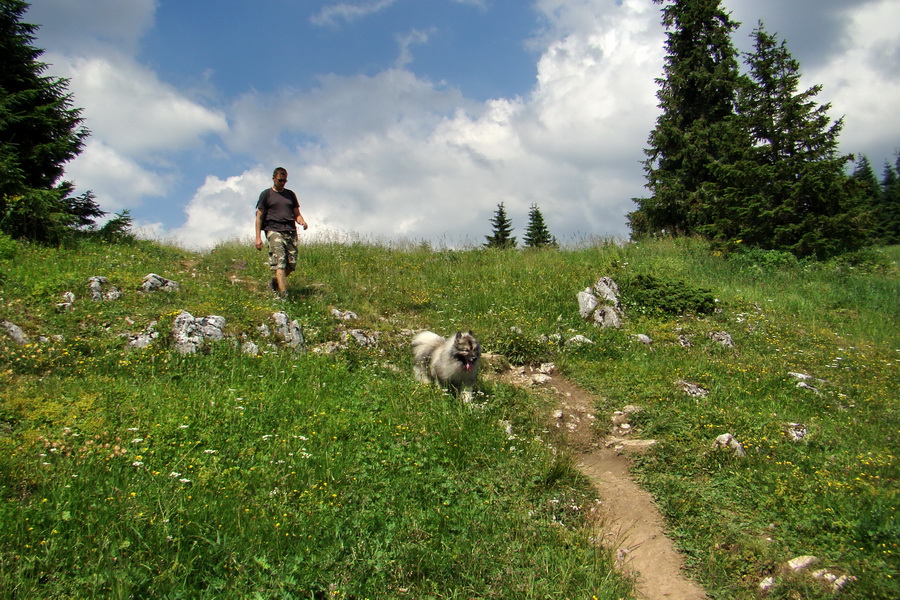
(281,280)
(278,260)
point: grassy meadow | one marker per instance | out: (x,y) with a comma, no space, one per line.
(128,472)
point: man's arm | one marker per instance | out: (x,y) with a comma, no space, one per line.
(299,218)
(259,221)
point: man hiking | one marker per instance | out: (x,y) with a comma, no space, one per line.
(278,214)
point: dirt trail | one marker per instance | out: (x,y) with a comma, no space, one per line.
(632,524)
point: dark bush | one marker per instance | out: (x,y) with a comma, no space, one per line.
(651,295)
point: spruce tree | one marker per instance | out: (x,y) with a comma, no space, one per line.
(887,209)
(789,191)
(864,176)
(695,130)
(537,235)
(501,237)
(39,132)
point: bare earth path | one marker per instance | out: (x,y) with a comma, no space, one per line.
(632,524)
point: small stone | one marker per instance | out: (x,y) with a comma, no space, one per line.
(801,562)
(722,337)
(692,389)
(726,440)
(842,582)
(15,332)
(767,584)
(796,431)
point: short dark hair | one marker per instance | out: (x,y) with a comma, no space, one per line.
(279,170)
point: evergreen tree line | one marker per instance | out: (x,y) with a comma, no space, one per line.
(883,197)
(747,158)
(40,131)
(537,234)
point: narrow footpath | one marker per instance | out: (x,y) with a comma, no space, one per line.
(632,525)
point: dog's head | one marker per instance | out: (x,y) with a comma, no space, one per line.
(466,349)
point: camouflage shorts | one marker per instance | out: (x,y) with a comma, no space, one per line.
(282,250)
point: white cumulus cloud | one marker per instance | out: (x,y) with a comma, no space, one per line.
(131,110)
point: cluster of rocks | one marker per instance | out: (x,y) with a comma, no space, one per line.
(801,565)
(101,290)
(522,376)
(153,282)
(621,419)
(192,334)
(361,337)
(805,382)
(600,304)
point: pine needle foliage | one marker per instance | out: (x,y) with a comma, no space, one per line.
(537,235)
(696,128)
(40,131)
(789,191)
(502,233)
(745,159)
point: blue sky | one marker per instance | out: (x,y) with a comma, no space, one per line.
(411,119)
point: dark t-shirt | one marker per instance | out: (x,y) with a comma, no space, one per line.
(278,210)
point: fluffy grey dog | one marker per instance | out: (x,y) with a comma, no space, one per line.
(449,362)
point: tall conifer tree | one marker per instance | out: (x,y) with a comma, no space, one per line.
(502,232)
(790,190)
(537,235)
(864,175)
(39,132)
(887,210)
(695,130)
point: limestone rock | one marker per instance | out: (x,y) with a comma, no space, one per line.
(153,282)
(722,337)
(290,331)
(15,332)
(191,333)
(692,389)
(600,304)
(796,431)
(344,315)
(801,562)
(726,440)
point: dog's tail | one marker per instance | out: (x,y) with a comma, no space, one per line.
(426,338)
(424,345)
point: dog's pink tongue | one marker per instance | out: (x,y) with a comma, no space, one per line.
(468,366)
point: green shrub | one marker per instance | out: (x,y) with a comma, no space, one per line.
(765,260)
(7,247)
(520,349)
(652,295)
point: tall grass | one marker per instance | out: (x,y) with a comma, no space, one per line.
(129,472)
(143,473)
